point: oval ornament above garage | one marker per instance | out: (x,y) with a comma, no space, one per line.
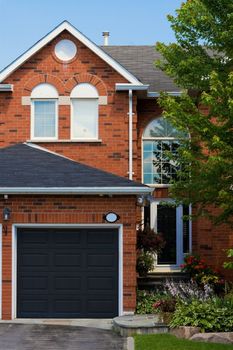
(65,50)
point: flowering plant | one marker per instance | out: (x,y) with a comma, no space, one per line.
(201,272)
(187,291)
(165,305)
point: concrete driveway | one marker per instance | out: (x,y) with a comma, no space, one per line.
(53,337)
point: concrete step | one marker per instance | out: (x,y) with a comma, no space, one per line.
(139,324)
(156,280)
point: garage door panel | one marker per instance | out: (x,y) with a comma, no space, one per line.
(28,237)
(35,260)
(100,283)
(99,238)
(34,305)
(66,284)
(98,260)
(30,283)
(71,259)
(71,306)
(67,273)
(71,238)
(95,306)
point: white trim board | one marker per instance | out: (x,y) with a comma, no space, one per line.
(82,38)
(14,258)
(77,190)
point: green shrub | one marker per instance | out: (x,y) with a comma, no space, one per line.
(145,262)
(154,302)
(229,296)
(146,300)
(214,315)
(229,264)
(148,243)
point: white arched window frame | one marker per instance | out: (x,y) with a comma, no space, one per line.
(84,112)
(44,112)
(159,137)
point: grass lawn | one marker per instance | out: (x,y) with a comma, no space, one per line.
(170,342)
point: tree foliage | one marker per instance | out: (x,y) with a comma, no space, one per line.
(201,63)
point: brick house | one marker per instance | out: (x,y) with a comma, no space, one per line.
(81,144)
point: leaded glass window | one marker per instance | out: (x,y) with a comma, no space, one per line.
(160,139)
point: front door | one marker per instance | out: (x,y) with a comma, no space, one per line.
(168,220)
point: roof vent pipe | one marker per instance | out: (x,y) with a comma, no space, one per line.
(106,37)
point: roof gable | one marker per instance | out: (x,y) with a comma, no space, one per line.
(82,38)
(31,169)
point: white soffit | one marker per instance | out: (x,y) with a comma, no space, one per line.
(82,38)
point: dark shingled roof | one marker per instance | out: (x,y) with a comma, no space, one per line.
(139,60)
(22,165)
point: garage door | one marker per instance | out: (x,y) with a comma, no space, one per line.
(67,273)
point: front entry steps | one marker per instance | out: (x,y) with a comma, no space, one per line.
(156,280)
(138,324)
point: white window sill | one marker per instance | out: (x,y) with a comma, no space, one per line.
(158,185)
(167,268)
(65,141)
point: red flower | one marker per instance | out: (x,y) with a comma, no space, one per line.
(157,304)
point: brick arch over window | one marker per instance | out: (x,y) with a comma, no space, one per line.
(86,78)
(43,78)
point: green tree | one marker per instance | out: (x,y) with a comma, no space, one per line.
(201,62)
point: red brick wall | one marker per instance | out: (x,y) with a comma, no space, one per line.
(78,210)
(112,153)
(211,242)
(147,111)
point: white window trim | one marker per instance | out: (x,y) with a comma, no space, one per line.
(14,258)
(77,139)
(179,235)
(33,138)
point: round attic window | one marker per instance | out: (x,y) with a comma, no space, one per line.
(65,50)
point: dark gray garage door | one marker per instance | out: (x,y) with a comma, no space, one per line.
(67,273)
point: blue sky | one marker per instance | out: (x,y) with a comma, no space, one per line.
(137,22)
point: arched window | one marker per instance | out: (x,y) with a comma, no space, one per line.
(158,138)
(44,112)
(84,112)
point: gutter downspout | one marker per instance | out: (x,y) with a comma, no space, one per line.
(130,134)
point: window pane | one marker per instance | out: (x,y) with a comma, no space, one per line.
(161,127)
(44,119)
(148,178)
(166,224)
(157,178)
(148,145)
(148,157)
(85,118)
(147,167)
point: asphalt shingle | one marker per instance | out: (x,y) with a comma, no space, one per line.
(24,166)
(139,60)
